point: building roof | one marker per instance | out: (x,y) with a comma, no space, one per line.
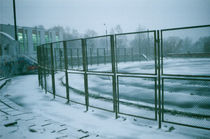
(7,35)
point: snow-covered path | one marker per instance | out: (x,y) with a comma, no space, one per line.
(24,90)
(18,123)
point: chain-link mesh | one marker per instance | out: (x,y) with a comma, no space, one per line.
(136,49)
(186,51)
(74,53)
(141,99)
(101,97)
(133,74)
(187,101)
(99,54)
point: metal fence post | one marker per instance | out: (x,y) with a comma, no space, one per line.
(41,65)
(55,57)
(44,68)
(114,81)
(159,80)
(78,59)
(60,54)
(48,61)
(85,68)
(125,55)
(104,55)
(38,60)
(52,70)
(156,68)
(71,55)
(97,56)
(140,51)
(132,56)
(161,72)
(91,56)
(66,71)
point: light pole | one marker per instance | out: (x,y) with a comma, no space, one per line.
(106,33)
(148,47)
(106,45)
(15,25)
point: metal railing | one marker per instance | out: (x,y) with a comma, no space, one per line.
(131,74)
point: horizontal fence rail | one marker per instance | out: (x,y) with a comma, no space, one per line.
(158,75)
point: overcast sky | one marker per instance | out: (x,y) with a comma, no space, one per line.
(92,14)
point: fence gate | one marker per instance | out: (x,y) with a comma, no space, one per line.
(185,76)
(137,74)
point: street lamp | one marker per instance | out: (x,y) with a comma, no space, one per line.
(106,33)
(14,12)
(106,44)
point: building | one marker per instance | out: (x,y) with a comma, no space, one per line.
(7,44)
(28,39)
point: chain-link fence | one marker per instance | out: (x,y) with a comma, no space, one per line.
(152,74)
(185,66)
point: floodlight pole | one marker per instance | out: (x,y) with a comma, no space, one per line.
(106,33)
(15,24)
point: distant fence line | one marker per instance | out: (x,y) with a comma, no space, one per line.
(61,57)
(99,56)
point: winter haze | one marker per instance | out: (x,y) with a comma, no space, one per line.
(93,14)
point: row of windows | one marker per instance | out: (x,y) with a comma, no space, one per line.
(36,39)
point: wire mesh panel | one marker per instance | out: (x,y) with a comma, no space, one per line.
(186,51)
(138,51)
(186,101)
(137,96)
(76,85)
(99,54)
(128,75)
(58,59)
(58,53)
(59,85)
(47,56)
(74,54)
(100,91)
(48,67)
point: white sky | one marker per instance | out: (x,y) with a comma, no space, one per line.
(92,14)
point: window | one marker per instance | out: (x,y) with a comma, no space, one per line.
(57,36)
(34,39)
(21,40)
(46,36)
(38,38)
(51,37)
(26,41)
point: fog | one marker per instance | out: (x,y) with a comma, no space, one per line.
(93,14)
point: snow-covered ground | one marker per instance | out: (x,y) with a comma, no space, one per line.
(182,98)
(182,66)
(24,91)
(187,66)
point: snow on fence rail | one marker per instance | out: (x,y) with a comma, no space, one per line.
(158,75)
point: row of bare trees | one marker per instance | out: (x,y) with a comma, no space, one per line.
(142,43)
(186,45)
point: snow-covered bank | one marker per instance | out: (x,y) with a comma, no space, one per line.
(24,90)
